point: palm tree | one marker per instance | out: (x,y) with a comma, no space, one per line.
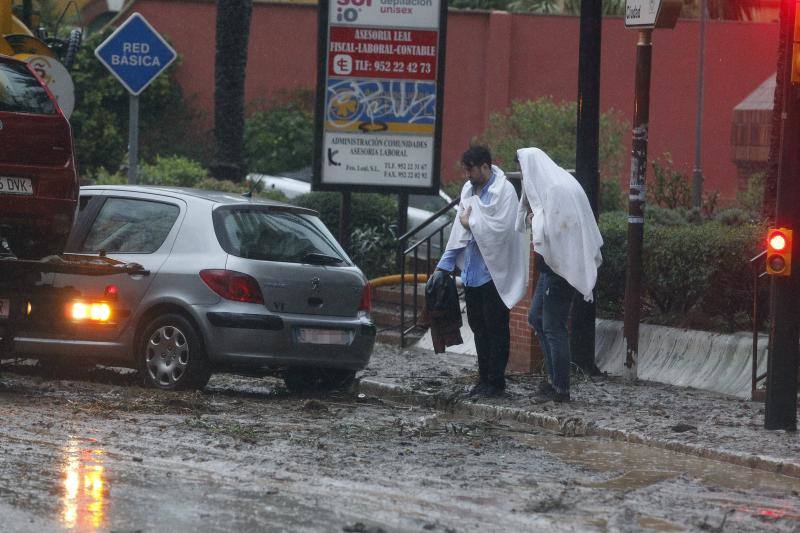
(230,62)
(771,178)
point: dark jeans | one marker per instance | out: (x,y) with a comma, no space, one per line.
(549,315)
(488,319)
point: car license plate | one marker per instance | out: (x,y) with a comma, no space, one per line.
(323,336)
(5,306)
(9,185)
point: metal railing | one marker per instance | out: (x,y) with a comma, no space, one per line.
(758,266)
(405,251)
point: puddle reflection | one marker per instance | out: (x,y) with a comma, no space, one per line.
(84,501)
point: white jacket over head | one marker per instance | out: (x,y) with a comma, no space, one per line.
(492,226)
(564,231)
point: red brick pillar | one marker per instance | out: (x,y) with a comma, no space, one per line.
(525,354)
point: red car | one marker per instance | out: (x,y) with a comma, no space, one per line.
(38,180)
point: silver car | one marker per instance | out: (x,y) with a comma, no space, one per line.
(234,284)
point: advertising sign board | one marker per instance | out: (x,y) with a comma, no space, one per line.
(379,100)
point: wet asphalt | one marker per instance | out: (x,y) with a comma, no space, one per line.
(93,451)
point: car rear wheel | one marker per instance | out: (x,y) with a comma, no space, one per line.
(171,355)
(300,379)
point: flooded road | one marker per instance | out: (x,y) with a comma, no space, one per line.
(96,452)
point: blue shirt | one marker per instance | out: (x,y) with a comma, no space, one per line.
(475,272)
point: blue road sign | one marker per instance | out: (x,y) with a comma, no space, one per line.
(135,54)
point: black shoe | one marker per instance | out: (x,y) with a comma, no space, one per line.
(545,389)
(591,369)
(552,396)
(493,391)
(477,390)
(561,397)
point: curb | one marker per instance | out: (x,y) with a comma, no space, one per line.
(570,426)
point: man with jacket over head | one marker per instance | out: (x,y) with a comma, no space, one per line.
(491,257)
(566,242)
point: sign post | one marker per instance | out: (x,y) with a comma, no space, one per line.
(645,16)
(135,54)
(379,96)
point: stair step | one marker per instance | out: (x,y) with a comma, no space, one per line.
(392,336)
(391,294)
(389,315)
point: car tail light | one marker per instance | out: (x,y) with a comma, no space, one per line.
(233,285)
(365,305)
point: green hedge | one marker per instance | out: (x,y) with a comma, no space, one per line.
(178,171)
(695,275)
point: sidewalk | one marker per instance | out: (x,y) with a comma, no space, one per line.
(692,421)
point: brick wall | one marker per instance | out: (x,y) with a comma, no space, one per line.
(525,354)
(494,58)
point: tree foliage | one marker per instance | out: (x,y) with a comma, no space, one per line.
(552,126)
(279,138)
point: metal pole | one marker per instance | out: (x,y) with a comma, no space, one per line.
(636,199)
(697,173)
(587,166)
(345,214)
(754,358)
(133,141)
(402,224)
(27,12)
(780,411)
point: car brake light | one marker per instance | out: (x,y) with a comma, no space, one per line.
(365,305)
(233,285)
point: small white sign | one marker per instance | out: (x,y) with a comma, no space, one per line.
(57,79)
(641,13)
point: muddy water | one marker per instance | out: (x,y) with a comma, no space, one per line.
(95,452)
(745,494)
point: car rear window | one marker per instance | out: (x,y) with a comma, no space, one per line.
(270,234)
(21,92)
(126,225)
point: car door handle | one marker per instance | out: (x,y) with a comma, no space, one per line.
(136,271)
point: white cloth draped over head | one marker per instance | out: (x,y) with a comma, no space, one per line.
(492,226)
(563,230)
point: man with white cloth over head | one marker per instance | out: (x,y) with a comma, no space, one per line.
(491,257)
(566,242)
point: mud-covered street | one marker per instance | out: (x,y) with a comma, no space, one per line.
(93,450)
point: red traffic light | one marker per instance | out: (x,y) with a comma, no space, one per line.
(779,252)
(777,241)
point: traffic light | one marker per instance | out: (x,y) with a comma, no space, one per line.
(796,46)
(779,251)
